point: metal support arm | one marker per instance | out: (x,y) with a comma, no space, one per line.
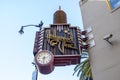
(39,25)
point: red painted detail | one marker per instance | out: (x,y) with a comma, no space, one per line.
(63,60)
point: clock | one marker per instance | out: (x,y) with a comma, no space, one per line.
(45,61)
(44,57)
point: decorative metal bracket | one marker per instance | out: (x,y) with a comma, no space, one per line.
(34,65)
(107,37)
(39,25)
(108,41)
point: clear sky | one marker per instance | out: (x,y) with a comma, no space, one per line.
(16,51)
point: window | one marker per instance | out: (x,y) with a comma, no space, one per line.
(113,4)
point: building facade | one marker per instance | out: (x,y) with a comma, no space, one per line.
(101,19)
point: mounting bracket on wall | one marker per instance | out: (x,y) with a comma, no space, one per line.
(107,37)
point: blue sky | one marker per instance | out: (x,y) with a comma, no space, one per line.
(16,51)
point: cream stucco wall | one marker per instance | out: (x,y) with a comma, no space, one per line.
(104,58)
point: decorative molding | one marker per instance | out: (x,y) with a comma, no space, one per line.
(90,36)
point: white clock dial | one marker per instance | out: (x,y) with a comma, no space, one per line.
(45,61)
(44,57)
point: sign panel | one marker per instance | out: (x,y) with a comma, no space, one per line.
(61,40)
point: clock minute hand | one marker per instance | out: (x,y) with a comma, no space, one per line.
(44,59)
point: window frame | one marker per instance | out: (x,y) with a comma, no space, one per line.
(110,6)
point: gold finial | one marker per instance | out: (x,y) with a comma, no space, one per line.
(59,7)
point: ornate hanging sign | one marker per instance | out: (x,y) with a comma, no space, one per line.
(63,41)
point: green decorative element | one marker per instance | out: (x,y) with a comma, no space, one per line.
(83,69)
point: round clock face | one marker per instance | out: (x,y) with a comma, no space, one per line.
(44,57)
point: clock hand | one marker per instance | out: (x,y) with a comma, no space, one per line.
(44,59)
